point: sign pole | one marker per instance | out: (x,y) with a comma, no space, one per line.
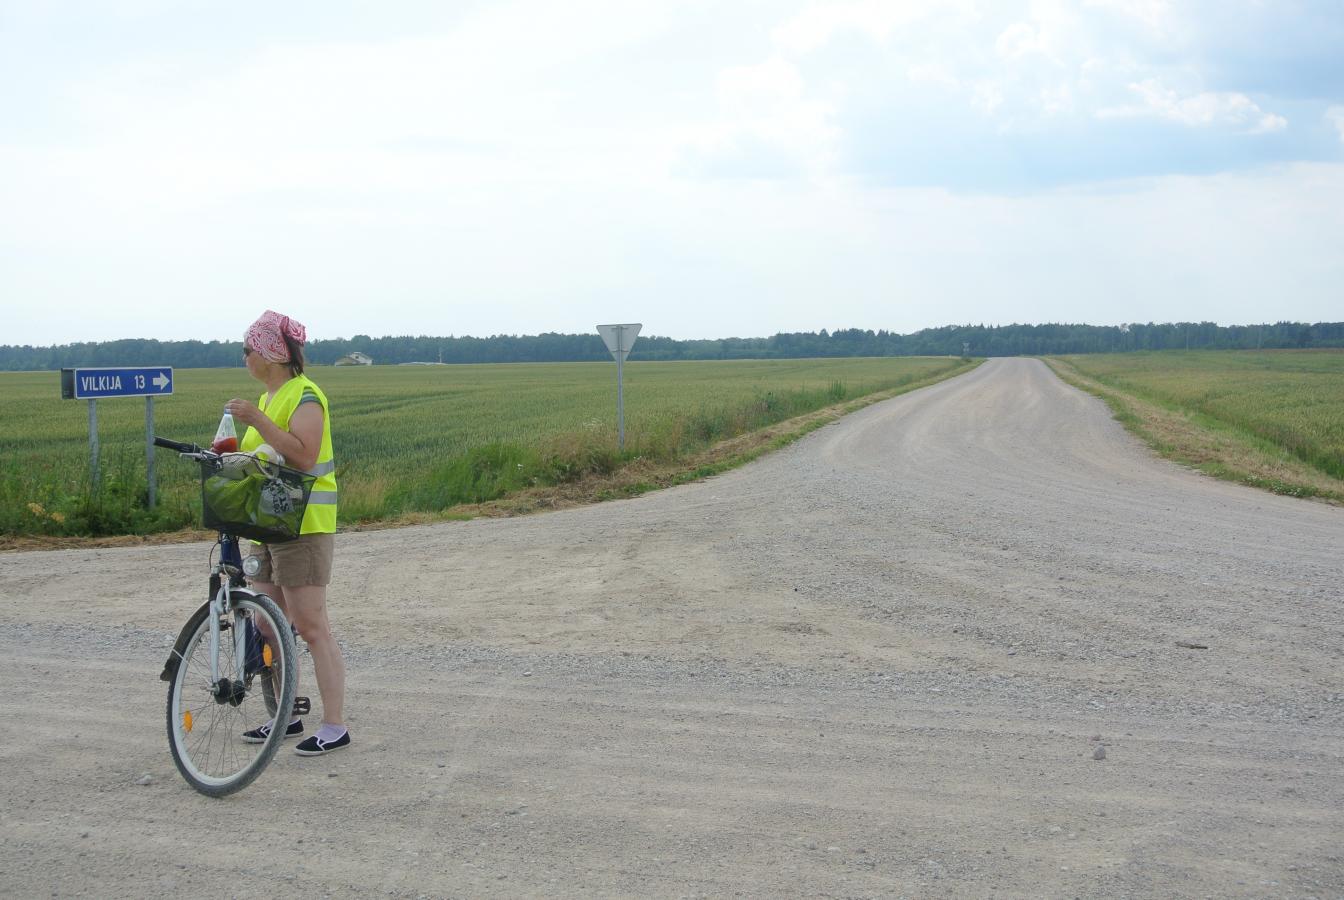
(93,384)
(614,336)
(149,450)
(620,387)
(93,443)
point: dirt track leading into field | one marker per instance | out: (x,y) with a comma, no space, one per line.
(877,663)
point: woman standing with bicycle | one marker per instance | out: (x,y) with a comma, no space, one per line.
(292,416)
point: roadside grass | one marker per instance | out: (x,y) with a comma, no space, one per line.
(429,444)
(648,473)
(1269,419)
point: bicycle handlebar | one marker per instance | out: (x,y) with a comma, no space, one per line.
(179,446)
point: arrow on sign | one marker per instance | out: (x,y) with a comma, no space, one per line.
(161,381)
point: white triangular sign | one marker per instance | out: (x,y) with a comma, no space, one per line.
(619,338)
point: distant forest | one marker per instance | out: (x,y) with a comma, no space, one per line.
(950,340)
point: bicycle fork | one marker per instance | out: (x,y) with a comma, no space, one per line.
(226,690)
(229,567)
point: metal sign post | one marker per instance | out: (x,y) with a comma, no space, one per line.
(619,339)
(94,384)
(151,492)
(93,443)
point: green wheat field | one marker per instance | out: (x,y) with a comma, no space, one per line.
(1288,399)
(410,438)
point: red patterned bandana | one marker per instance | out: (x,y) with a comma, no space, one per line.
(267,336)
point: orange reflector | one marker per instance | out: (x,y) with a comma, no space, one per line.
(266,656)
(186,721)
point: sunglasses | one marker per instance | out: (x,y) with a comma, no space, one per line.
(247,351)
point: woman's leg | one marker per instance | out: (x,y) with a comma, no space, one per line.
(306,607)
(276,593)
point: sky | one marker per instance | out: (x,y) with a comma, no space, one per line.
(171,168)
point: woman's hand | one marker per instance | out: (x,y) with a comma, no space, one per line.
(299,445)
(247,413)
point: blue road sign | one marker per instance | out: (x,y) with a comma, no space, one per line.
(95,384)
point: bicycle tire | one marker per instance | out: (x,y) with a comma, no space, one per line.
(211,754)
(268,693)
(268,683)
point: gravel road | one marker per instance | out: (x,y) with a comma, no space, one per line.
(881,662)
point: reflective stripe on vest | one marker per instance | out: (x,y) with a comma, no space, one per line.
(320,517)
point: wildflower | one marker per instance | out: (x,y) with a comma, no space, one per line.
(36,509)
(58,517)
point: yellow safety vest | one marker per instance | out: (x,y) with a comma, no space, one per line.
(321,515)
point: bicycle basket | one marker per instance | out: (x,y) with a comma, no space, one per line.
(251,498)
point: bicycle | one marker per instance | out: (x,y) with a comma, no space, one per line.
(237,654)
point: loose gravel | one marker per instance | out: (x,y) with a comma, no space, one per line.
(971,641)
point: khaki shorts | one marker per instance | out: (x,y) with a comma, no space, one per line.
(296,563)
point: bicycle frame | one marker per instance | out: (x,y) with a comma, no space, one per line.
(226,577)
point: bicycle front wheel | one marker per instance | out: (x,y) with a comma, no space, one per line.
(208,715)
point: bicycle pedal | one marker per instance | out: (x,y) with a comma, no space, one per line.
(302,706)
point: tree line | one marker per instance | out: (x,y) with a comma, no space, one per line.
(949,340)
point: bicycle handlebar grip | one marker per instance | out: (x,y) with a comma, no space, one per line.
(179,446)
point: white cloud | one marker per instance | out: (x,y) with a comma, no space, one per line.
(1197,110)
(987,96)
(1015,63)
(1157,249)
(478,109)
(1335,116)
(1057,99)
(766,125)
(1156,14)
(770,81)
(932,73)
(1019,40)
(1054,30)
(819,24)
